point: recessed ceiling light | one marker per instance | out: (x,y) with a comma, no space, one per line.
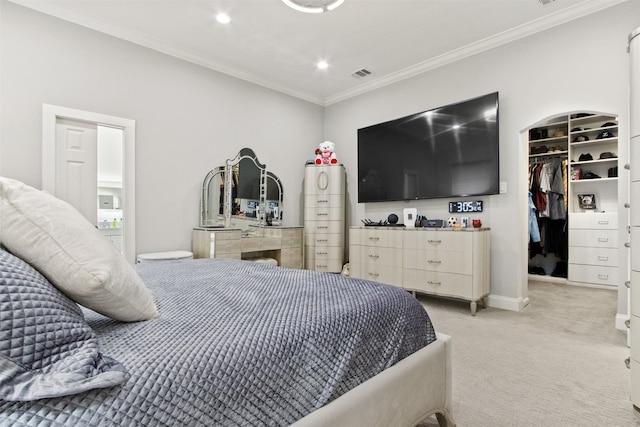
(223,18)
(323,65)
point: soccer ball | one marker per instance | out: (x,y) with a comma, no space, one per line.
(452,221)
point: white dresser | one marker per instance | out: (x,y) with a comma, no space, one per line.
(593,249)
(324,206)
(444,262)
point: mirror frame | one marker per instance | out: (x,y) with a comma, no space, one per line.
(226,172)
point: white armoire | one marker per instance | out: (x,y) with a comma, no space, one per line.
(634,216)
(324,211)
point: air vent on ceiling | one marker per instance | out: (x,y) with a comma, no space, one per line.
(544,2)
(361,73)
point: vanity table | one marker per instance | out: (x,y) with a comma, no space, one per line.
(284,244)
(241,214)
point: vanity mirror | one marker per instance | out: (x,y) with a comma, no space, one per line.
(240,194)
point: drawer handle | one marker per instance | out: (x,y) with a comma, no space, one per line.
(321,253)
(434,241)
(627,205)
(374,274)
(374,256)
(603,276)
(322,214)
(321,266)
(323,201)
(434,261)
(322,226)
(431,282)
(603,239)
(627,283)
(603,258)
(374,238)
(627,362)
(603,222)
(322,240)
(627,244)
(627,323)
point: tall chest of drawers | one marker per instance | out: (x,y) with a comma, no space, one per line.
(442,262)
(593,249)
(324,206)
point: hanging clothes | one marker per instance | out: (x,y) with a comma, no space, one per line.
(547,191)
(534,230)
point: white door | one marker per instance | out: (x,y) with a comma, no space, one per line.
(77,166)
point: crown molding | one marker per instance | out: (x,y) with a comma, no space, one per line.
(158,45)
(530,28)
(561,17)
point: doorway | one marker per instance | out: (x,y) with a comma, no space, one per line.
(79,183)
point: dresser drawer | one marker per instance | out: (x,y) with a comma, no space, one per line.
(444,284)
(253,244)
(322,227)
(594,238)
(451,261)
(324,214)
(432,239)
(593,221)
(324,239)
(377,273)
(374,236)
(375,255)
(593,256)
(324,201)
(597,275)
(331,265)
(635,296)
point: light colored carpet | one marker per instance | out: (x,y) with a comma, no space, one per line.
(560,362)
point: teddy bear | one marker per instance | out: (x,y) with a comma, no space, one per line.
(325,154)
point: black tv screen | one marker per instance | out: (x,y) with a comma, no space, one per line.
(451,151)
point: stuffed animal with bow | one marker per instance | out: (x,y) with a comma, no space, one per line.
(325,154)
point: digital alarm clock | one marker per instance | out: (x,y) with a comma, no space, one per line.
(465,206)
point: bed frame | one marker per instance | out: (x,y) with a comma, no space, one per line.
(403,395)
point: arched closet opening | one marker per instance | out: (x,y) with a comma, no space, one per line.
(573,193)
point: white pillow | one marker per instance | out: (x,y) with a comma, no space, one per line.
(67,249)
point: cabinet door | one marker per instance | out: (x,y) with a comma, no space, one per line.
(324,180)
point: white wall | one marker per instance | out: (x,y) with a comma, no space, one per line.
(188,119)
(581,65)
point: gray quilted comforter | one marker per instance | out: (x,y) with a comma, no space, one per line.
(239,343)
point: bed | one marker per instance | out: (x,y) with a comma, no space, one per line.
(86,339)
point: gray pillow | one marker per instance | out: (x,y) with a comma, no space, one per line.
(46,348)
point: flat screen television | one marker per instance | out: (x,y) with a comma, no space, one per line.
(451,151)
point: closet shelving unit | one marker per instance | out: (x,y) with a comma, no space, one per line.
(592,238)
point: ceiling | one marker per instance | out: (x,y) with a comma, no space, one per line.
(269,44)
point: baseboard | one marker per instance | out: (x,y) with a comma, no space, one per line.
(507,303)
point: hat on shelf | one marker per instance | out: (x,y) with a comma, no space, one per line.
(581,138)
(605,134)
(608,155)
(539,149)
(589,175)
(585,157)
(559,134)
(608,124)
(576,129)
